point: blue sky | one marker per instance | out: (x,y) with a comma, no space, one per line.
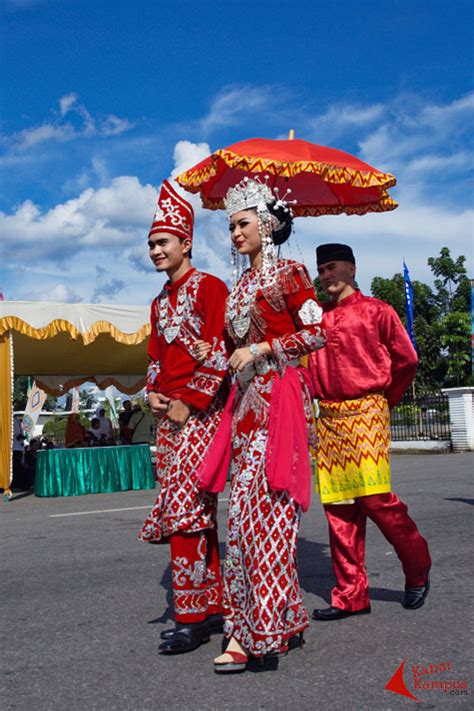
(103,100)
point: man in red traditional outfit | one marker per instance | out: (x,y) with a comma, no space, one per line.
(367,365)
(187,396)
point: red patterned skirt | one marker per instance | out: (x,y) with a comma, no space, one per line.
(181,505)
(263,606)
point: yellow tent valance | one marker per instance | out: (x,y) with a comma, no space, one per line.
(13,323)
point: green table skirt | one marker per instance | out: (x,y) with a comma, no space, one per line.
(93,470)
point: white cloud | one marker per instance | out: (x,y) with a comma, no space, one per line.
(109,290)
(81,125)
(46,132)
(414,129)
(114,126)
(66,103)
(414,231)
(340,118)
(427,163)
(111,217)
(61,293)
(441,117)
(234,103)
(186,154)
(424,144)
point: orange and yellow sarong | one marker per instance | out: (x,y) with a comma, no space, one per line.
(353,448)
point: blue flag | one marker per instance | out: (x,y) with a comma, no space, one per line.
(409,304)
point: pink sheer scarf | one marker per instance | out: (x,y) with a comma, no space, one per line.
(287,457)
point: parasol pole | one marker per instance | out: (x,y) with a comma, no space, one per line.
(291,134)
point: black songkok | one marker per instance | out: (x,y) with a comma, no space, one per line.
(334,253)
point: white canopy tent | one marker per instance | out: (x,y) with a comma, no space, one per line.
(64,345)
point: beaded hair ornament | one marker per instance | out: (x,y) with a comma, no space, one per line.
(255,194)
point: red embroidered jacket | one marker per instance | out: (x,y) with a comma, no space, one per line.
(367,351)
(189,309)
(285,313)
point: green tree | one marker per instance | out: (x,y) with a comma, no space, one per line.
(455,329)
(454,299)
(451,281)
(20,394)
(323,298)
(441,320)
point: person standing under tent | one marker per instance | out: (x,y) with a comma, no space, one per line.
(140,425)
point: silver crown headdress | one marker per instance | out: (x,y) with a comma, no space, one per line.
(253,193)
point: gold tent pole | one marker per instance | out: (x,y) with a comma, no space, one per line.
(291,135)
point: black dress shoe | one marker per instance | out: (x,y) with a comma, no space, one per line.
(215,623)
(186,638)
(415,597)
(336,613)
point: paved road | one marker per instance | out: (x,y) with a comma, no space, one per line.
(83,603)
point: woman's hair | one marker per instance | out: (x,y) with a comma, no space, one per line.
(285,222)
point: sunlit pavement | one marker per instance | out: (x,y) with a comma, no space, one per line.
(83,603)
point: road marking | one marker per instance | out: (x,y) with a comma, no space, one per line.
(97,511)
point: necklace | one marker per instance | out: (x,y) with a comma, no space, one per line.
(241,301)
(170,319)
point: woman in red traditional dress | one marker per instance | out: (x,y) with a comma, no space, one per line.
(271,319)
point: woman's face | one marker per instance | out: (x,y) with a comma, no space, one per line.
(244,232)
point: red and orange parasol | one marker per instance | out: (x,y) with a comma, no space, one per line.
(323,181)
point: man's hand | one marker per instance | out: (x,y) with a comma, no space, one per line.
(178,412)
(201,350)
(158,403)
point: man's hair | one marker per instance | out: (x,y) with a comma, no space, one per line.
(190,253)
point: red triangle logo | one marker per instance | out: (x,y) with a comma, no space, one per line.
(397,684)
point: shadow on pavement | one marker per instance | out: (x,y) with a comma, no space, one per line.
(386,595)
(24,494)
(314,568)
(167,584)
(270,664)
(463,501)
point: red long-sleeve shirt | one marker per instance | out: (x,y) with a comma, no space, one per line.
(173,370)
(368,350)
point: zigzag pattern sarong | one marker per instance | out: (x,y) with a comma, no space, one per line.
(353,448)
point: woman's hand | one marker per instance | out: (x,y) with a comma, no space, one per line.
(240,358)
(158,403)
(243,356)
(201,350)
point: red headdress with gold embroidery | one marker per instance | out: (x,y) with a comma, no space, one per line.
(173,214)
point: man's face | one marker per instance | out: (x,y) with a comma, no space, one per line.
(167,252)
(336,276)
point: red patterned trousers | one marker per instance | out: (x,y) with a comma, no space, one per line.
(347,525)
(197,584)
